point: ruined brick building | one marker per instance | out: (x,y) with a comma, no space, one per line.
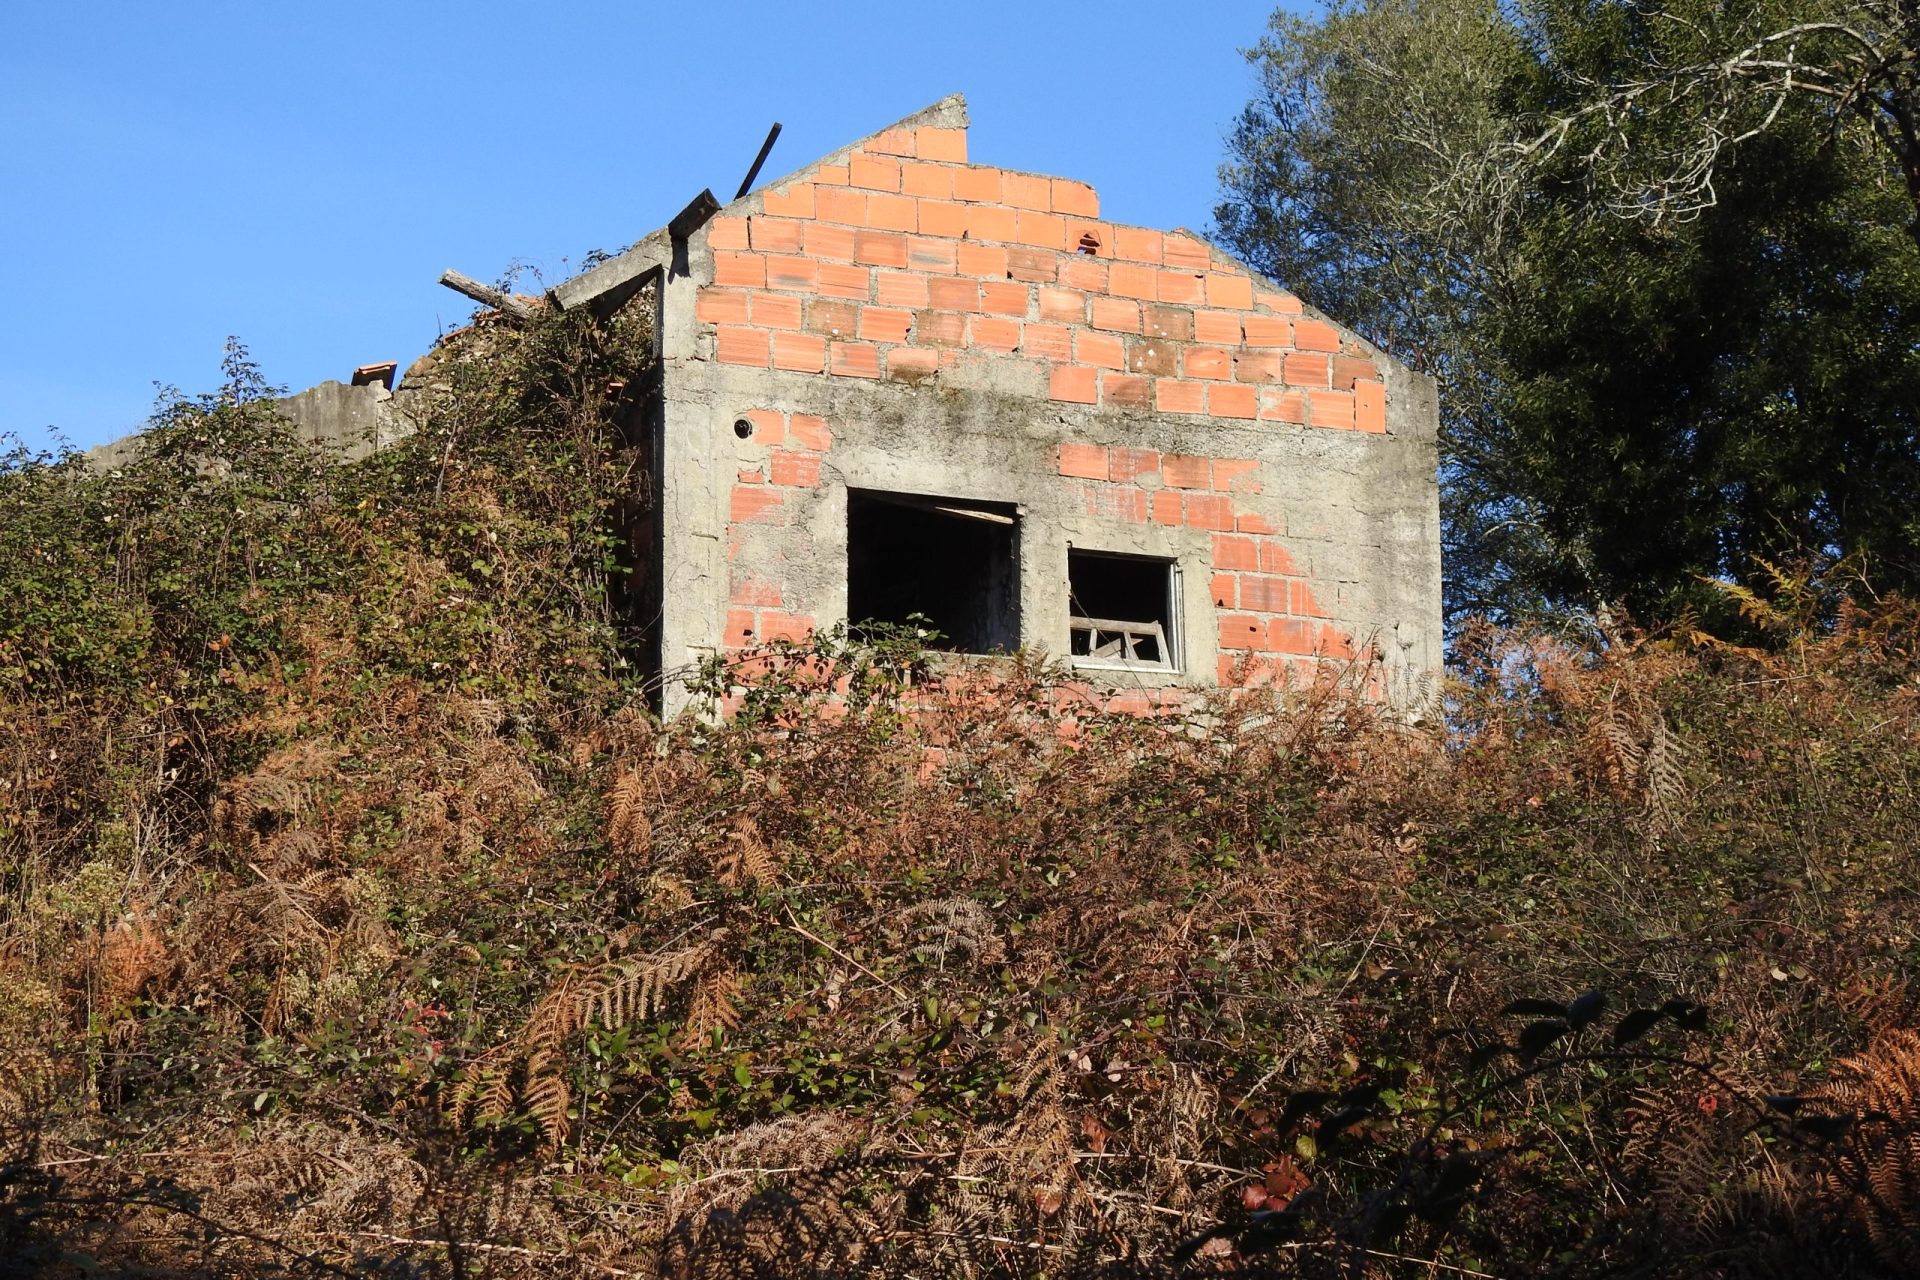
(901,382)
(898,382)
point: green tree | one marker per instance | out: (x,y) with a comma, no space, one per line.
(1629,402)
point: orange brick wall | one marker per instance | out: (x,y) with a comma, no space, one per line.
(788,449)
(1264,606)
(906,260)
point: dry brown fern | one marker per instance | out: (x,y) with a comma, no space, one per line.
(1871,1171)
(715,1005)
(629,830)
(614,995)
(745,859)
(1638,754)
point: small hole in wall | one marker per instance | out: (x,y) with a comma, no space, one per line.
(1089,243)
(742,428)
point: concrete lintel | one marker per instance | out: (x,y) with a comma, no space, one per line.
(648,255)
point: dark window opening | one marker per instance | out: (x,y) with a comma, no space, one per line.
(1122,609)
(947,561)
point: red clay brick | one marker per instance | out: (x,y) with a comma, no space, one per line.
(1182,471)
(1085,461)
(1261,593)
(776,235)
(1277,405)
(929,253)
(1331,409)
(756,505)
(941,328)
(880,248)
(1099,349)
(1303,604)
(1231,551)
(884,324)
(792,273)
(1290,635)
(1167,322)
(795,202)
(1154,356)
(836,319)
(912,364)
(1246,522)
(800,352)
(993,333)
(840,281)
(809,431)
(986,260)
(751,476)
(1126,390)
(752,591)
(1047,342)
(776,310)
(740,628)
(1111,502)
(1225,290)
(1026,191)
(892,142)
(1036,266)
(1041,230)
(1004,297)
(1348,370)
(727,233)
(874,173)
(1137,244)
(769,426)
(1306,369)
(1239,631)
(745,269)
(941,144)
(1275,558)
(737,344)
(1129,465)
(933,180)
(1187,253)
(1127,280)
(1220,327)
(721,306)
(955,294)
(1222,587)
(1233,400)
(833,244)
(794,470)
(893,213)
(1183,287)
(990,222)
(1081,272)
(1315,335)
(1370,406)
(784,626)
(1089,238)
(1207,362)
(1284,304)
(1076,386)
(841,204)
(1067,305)
(856,360)
(977,183)
(1075,197)
(1259,366)
(1116,314)
(943,218)
(1236,475)
(900,289)
(830,175)
(1170,395)
(1166,507)
(1268,331)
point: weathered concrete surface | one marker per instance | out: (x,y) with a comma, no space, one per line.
(1302,513)
(354,421)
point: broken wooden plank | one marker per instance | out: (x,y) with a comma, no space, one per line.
(485,294)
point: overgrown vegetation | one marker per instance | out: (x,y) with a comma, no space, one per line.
(358,918)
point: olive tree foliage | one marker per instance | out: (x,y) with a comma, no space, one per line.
(1651,372)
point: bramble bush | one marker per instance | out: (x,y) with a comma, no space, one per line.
(358,917)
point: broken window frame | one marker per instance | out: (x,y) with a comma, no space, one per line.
(1122,637)
(1005,567)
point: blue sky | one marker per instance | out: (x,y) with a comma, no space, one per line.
(299,175)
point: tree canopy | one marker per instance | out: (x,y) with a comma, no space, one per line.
(1639,390)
